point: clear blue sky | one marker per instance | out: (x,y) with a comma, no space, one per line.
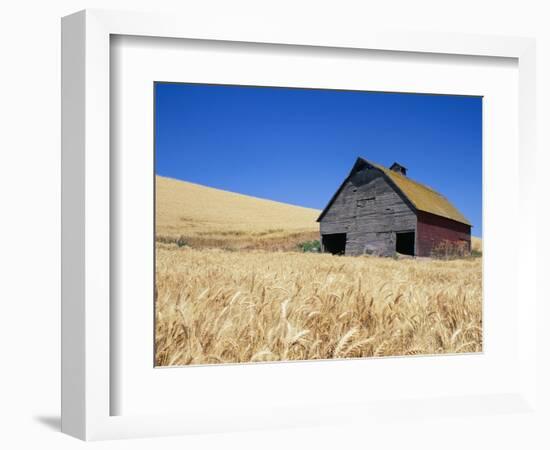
(297,145)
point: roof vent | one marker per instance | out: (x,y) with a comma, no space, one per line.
(396,167)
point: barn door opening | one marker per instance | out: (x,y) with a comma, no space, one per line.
(335,243)
(404,243)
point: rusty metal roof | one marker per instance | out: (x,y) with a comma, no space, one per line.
(422,197)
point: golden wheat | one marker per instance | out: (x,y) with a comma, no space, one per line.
(261,302)
(477,244)
(212,218)
(216,306)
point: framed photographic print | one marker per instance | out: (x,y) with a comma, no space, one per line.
(266,228)
(241,278)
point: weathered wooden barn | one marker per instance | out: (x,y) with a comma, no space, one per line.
(381,211)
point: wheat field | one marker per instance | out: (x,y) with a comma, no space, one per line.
(205,217)
(232,287)
(477,244)
(216,306)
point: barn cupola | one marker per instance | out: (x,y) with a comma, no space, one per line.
(396,167)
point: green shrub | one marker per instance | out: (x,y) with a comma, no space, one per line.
(181,242)
(310,246)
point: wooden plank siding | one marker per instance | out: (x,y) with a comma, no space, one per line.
(432,230)
(370,210)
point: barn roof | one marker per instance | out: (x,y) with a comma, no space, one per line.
(422,197)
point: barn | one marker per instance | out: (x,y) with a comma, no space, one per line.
(381,211)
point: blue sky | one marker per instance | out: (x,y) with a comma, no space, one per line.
(297,145)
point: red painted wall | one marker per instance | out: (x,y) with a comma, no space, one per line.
(432,230)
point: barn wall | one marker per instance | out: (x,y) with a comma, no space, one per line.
(432,230)
(370,211)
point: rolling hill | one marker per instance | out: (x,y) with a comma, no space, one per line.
(208,217)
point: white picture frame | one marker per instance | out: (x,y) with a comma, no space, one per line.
(87,328)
